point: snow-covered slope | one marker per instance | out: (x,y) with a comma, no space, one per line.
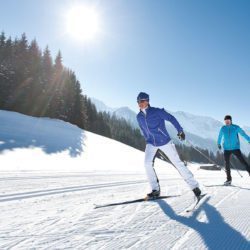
(202,131)
(52,174)
(28,143)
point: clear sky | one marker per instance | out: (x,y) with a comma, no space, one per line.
(189,55)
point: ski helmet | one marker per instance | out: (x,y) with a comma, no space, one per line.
(142,96)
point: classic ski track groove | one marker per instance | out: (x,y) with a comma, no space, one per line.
(148,218)
(182,240)
(186,236)
(39,193)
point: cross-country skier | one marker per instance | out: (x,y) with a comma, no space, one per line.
(152,123)
(231,144)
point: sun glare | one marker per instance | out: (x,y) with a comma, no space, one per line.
(82,23)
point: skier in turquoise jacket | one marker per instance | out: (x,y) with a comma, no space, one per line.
(231,144)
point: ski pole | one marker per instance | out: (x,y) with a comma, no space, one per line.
(208,158)
(165,157)
(236,169)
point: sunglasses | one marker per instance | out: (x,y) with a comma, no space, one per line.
(141,101)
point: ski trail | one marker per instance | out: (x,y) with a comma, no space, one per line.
(70,222)
(142,219)
(186,237)
(33,194)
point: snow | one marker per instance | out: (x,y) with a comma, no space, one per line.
(53,173)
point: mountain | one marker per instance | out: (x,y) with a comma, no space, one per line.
(128,114)
(201,131)
(123,112)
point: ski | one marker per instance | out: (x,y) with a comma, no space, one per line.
(197,203)
(135,201)
(220,185)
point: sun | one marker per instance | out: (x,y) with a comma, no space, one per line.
(82,23)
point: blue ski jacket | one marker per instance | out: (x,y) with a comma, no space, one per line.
(230,135)
(153,126)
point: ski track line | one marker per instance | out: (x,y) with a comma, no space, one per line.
(186,236)
(27,195)
(114,225)
(143,222)
(159,228)
(124,234)
(57,176)
(70,176)
(182,212)
(39,177)
(73,187)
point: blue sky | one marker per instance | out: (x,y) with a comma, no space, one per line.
(189,55)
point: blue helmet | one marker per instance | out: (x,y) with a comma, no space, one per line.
(142,96)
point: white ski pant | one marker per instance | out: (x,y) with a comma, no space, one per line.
(170,151)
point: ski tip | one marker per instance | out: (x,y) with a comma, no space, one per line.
(203,195)
(96,206)
(202,198)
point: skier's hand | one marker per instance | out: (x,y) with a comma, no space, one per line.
(181,136)
(219,146)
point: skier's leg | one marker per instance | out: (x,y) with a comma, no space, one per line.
(172,154)
(239,155)
(227,155)
(148,163)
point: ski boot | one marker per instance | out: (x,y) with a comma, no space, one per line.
(197,192)
(153,195)
(227,183)
(199,199)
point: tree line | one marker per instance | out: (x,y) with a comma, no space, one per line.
(32,83)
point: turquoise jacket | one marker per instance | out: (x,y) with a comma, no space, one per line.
(230,135)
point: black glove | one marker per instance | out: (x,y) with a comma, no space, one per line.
(181,136)
(219,146)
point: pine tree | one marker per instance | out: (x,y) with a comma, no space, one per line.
(22,80)
(77,103)
(7,76)
(35,70)
(46,82)
(55,92)
(3,75)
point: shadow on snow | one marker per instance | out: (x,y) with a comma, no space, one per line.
(216,233)
(51,137)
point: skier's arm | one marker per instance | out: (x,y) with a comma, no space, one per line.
(220,137)
(142,130)
(243,134)
(168,117)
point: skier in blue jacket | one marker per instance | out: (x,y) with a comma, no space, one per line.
(231,144)
(152,123)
